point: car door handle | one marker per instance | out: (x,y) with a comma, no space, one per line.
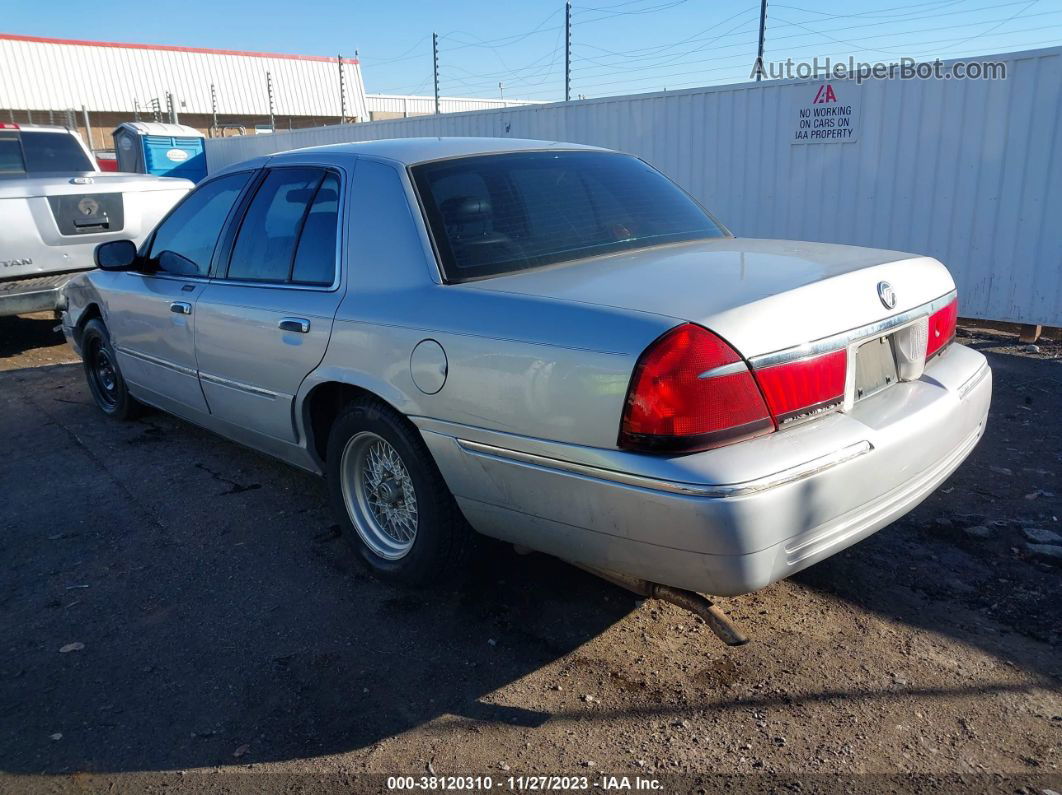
(181,307)
(298,324)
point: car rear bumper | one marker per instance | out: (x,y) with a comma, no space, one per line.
(31,294)
(731,520)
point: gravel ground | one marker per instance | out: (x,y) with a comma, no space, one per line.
(177,611)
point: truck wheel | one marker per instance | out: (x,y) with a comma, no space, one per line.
(104,378)
(390,499)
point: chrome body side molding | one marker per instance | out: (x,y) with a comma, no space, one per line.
(779,478)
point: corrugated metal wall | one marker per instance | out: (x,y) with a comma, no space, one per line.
(43,74)
(968,171)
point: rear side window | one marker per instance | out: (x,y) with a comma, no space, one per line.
(496,214)
(315,258)
(289,232)
(184,242)
(44,151)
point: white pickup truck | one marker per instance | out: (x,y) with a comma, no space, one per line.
(56,206)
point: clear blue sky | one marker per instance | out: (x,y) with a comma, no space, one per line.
(618,47)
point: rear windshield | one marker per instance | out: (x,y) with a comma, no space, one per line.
(26,151)
(498,214)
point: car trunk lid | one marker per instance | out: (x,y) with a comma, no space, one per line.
(761,296)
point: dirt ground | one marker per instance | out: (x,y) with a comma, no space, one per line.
(224,637)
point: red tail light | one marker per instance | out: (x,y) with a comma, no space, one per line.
(8,125)
(804,387)
(942,327)
(676,403)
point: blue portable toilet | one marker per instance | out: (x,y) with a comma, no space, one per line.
(166,150)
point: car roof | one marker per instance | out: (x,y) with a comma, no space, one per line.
(418,150)
(48,128)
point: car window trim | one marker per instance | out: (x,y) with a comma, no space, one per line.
(236,224)
(302,225)
(233,224)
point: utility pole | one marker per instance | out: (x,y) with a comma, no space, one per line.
(342,91)
(136,110)
(88,127)
(501,90)
(435,58)
(269,91)
(763,31)
(568,50)
(213,110)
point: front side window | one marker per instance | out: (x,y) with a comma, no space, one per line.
(184,242)
(290,204)
(496,214)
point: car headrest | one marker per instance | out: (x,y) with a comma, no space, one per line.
(465,209)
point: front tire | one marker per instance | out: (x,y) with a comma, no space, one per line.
(390,498)
(105,380)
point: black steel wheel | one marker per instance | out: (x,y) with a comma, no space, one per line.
(104,379)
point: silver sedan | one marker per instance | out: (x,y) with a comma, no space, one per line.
(550,344)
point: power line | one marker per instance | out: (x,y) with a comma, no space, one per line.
(997,27)
(405,56)
(742,34)
(738,74)
(653,9)
(873,12)
(508,72)
(652,61)
(629,3)
(819,32)
(627,59)
(503,40)
(891,50)
(734,57)
(661,47)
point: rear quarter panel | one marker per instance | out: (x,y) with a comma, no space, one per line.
(519,364)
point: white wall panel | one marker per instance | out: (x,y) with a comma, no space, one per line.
(968,171)
(52,74)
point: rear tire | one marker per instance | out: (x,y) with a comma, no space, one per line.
(390,499)
(105,380)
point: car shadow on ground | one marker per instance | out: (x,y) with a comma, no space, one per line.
(22,333)
(174,601)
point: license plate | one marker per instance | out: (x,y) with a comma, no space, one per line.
(875,367)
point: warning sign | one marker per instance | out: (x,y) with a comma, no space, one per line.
(826,113)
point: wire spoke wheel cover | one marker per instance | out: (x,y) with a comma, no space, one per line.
(379,496)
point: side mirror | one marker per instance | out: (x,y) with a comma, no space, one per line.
(118,255)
